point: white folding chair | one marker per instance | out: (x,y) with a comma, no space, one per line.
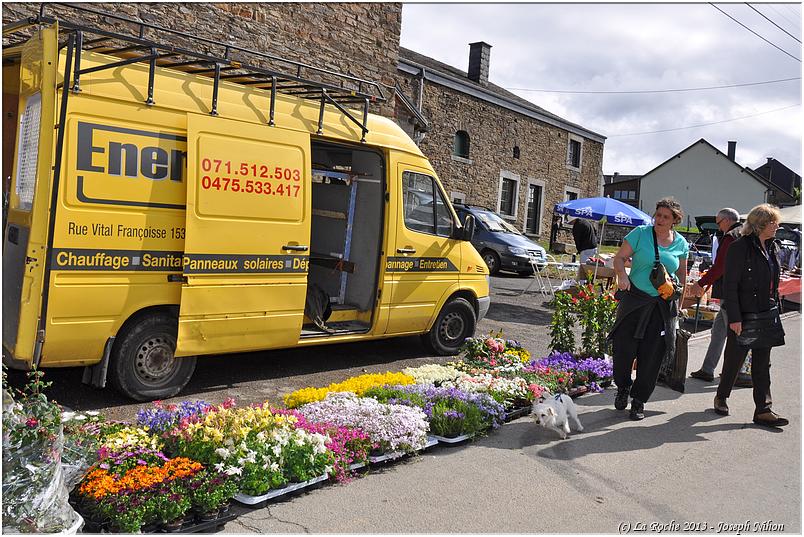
(539,279)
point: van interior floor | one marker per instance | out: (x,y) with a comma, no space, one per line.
(338,328)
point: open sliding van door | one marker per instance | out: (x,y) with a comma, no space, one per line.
(247,241)
(29,73)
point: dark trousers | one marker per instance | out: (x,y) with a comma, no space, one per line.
(648,352)
(733,359)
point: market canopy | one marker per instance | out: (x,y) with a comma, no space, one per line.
(607,210)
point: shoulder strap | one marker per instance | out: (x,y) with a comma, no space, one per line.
(655,244)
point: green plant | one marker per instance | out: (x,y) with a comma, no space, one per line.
(174,505)
(561,337)
(595,312)
(211,490)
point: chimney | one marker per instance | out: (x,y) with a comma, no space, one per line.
(770,159)
(479,54)
(732,150)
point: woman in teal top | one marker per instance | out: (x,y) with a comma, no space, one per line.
(644,319)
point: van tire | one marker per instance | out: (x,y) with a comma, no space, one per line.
(455,323)
(143,366)
(492,261)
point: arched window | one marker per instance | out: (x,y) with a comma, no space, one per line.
(460,146)
(516,151)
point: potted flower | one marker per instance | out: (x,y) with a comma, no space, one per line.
(306,456)
(172,505)
(210,491)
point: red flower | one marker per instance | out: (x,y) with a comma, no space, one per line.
(574,300)
(32,422)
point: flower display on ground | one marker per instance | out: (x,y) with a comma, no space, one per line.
(586,371)
(510,392)
(391,427)
(450,411)
(349,445)
(131,437)
(432,373)
(493,353)
(356,385)
(160,418)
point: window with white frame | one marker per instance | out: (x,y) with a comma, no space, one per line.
(571,193)
(574,151)
(508,194)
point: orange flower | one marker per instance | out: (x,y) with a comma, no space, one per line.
(99,482)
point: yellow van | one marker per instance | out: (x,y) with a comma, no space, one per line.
(167,203)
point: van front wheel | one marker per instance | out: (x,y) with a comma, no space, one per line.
(143,365)
(454,324)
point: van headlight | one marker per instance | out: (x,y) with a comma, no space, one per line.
(517,251)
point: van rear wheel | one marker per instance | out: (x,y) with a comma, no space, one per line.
(455,323)
(143,365)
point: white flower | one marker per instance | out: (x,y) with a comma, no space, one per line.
(219,467)
(274,467)
(277,449)
(234,470)
(223,453)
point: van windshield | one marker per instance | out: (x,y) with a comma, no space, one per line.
(495,223)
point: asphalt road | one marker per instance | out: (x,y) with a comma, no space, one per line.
(682,464)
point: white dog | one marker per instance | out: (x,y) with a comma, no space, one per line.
(554,412)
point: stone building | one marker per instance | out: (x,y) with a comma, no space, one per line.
(492,148)
(488,146)
(361,39)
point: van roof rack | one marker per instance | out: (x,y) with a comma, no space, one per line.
(161,47)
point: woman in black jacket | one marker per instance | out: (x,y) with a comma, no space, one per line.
(750,285)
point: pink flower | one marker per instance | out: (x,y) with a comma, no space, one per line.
(32,422)
(229,402)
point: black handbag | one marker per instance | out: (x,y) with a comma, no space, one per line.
(762,330)
(668,288)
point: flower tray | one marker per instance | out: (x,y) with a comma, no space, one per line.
(394,455)
(262,499)
(517,413)
(357,466)
(208,526)
(577,391)
(453,440)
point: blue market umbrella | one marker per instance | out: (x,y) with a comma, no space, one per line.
(604,210)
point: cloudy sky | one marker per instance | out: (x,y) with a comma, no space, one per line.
(634,47)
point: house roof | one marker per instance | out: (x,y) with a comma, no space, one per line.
(440,73)
(751,173)
(619,179)
(776,167)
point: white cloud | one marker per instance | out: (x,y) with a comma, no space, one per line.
(631,47)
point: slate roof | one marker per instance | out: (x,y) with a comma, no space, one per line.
(420,60)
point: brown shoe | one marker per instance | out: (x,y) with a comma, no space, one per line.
(770,419)
(721,407)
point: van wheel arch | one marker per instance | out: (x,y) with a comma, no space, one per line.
(456,321)
(142,364)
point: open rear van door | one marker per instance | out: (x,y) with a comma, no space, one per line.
(25,238)
(248,235)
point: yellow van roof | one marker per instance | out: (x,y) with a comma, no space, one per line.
(178,90)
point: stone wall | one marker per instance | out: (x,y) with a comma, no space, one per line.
(493,132)
(361,39)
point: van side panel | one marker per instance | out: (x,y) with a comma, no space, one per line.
(119,223)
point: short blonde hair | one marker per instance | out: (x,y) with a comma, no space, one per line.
(759,217)
(673,206)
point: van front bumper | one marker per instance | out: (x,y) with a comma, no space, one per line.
(483,304)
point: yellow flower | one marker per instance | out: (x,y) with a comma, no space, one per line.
(356,385)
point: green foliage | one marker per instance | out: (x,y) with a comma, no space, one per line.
(595,313)
(561,337)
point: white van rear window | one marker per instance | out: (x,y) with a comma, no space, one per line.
(28,151)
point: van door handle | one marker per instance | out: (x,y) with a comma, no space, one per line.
(295,248)
(406,250)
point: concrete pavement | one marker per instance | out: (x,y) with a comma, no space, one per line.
(683,467)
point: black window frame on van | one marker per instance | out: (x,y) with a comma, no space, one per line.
(437,195)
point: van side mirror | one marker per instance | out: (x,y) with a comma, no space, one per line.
(468,227)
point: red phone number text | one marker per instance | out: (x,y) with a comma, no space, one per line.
(260,171)
(249,186)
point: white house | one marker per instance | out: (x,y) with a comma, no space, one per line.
(703,180)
